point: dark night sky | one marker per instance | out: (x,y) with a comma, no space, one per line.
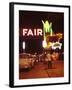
(33,19)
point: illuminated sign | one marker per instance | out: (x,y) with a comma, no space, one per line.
(56,45)
(30,32)
(23,45)
(44,43)
(47,27)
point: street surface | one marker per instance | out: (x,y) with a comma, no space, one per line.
(40,70)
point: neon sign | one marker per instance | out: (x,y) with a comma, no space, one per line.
(30,32)
(56,45)
(47,27)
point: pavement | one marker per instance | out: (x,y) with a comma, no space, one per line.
(40,70)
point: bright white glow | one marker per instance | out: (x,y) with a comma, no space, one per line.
(23,45)
(44,44)
(56,45)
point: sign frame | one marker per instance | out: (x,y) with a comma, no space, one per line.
(12,45)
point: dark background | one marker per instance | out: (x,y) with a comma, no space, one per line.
(33,19)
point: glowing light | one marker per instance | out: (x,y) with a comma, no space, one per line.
(49,44)
(44,44)
(30,32)
(51,33)
(23,45)
(47,27)
(56,45)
